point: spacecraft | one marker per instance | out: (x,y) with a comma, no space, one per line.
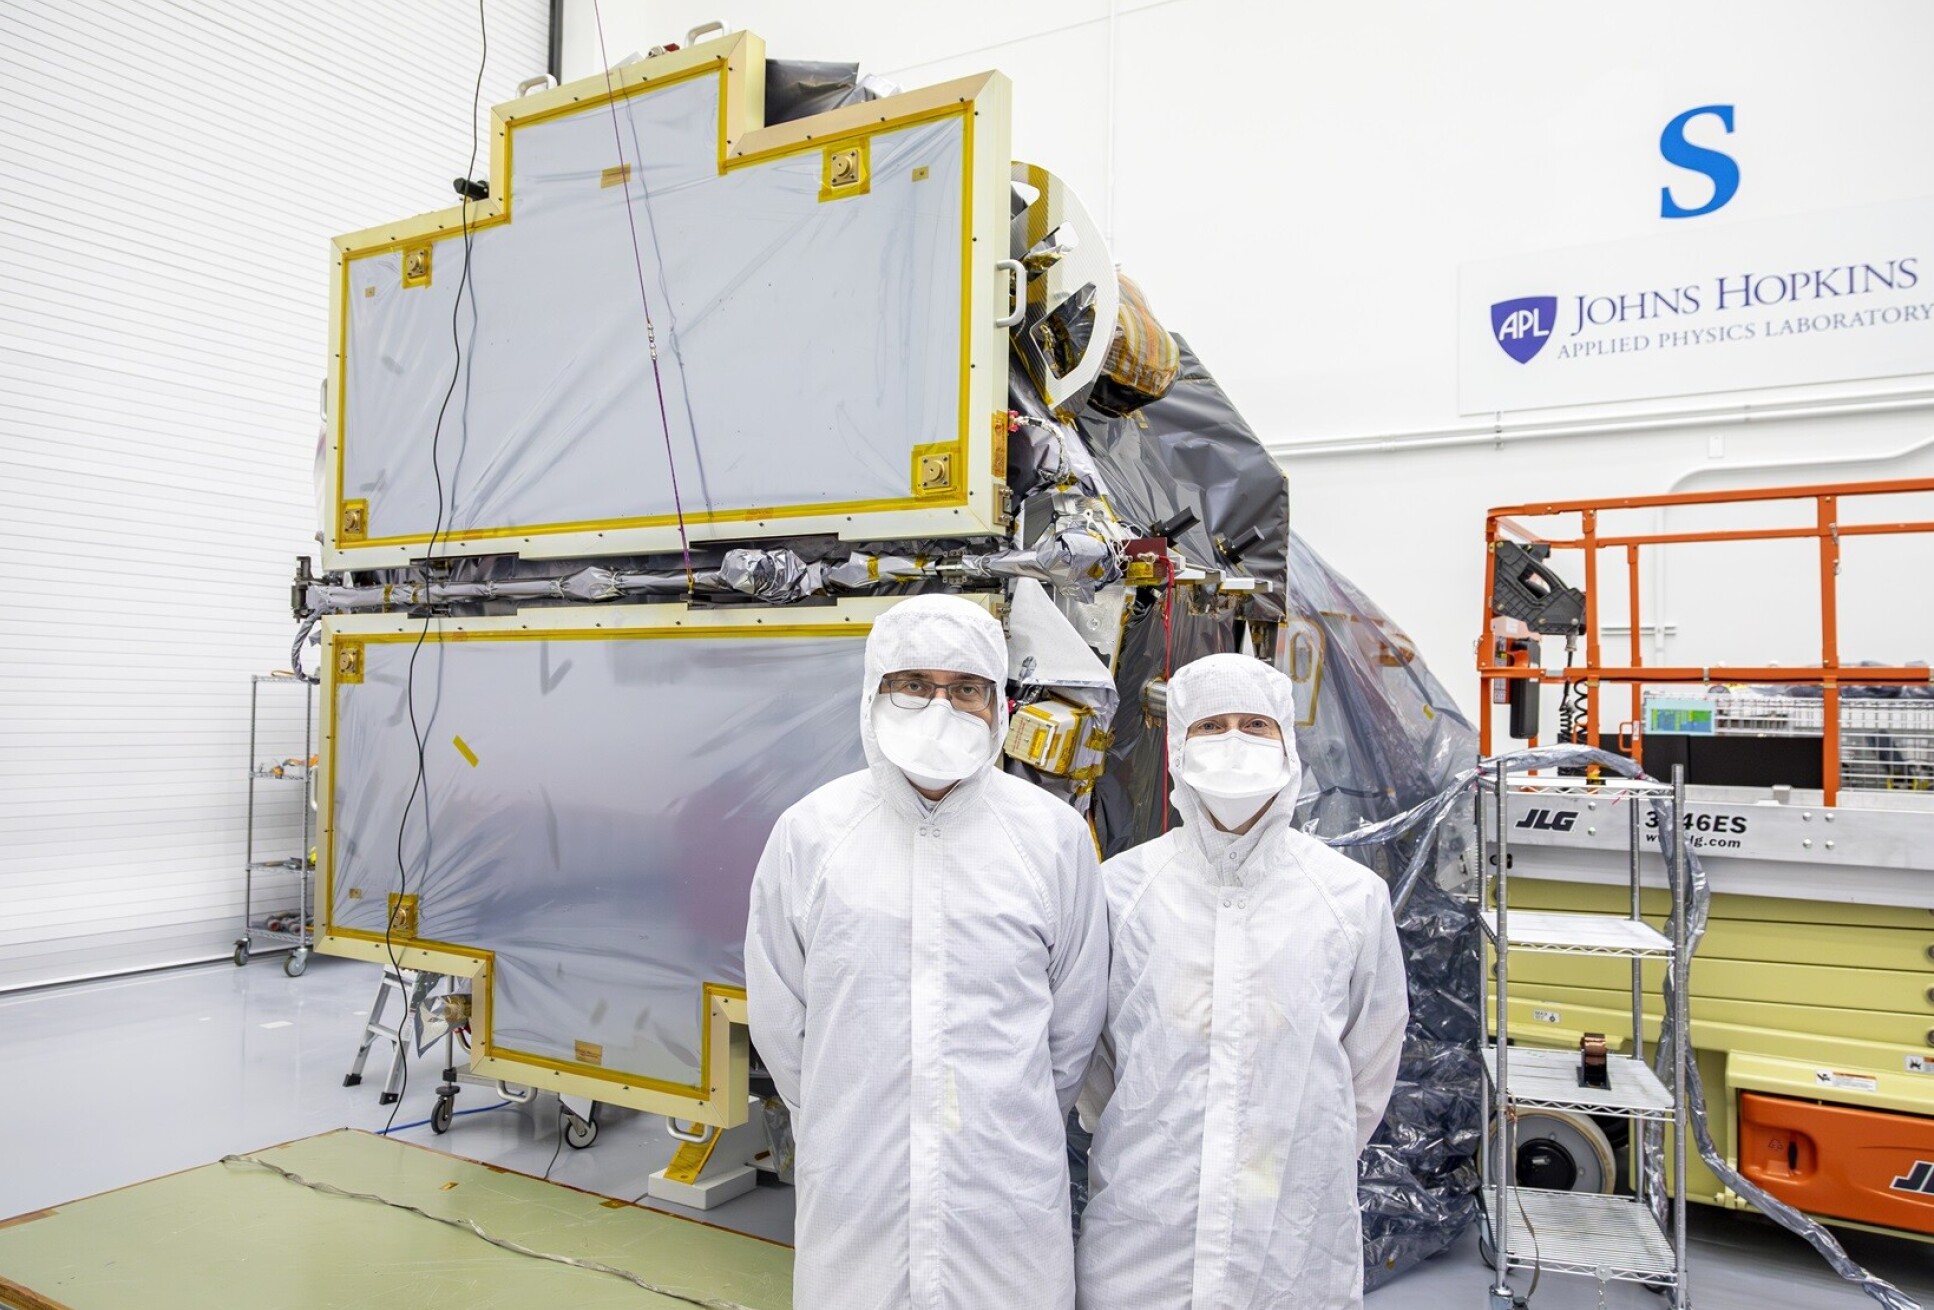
(624,455)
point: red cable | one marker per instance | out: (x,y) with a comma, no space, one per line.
(1168,667)
(638,259)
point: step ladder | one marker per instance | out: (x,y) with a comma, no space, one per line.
(410,986)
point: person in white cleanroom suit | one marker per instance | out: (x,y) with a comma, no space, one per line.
(926,970)
(1256,1011)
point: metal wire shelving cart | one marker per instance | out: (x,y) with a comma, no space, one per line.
(1612,1238)
(282,926)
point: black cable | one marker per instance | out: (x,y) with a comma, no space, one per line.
(559,1148)
(1566,705)
(421,785)
(644,297)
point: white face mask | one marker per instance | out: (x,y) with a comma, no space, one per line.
(1234,774)
(935,746)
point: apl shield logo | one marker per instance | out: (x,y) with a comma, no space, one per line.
(1523,326)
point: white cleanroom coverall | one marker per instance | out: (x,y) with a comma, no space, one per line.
(1256,1012)
(926,981)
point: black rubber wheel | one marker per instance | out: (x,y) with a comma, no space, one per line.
(241,954)
(1561,1151)
(441,1115)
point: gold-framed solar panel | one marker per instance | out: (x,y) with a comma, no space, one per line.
(597,787)
(824,297)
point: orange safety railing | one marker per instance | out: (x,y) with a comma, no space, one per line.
(1824,526)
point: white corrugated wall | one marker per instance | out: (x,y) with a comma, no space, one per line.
(170,176)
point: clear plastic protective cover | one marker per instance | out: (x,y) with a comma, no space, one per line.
(806,341)
(594,805)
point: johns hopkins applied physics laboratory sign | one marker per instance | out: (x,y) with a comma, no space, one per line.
(1827,297)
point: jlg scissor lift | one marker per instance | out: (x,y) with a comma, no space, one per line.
(1812,996)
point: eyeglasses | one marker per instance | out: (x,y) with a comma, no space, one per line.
(970,695)
(1254,725)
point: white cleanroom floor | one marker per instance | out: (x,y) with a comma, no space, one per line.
(113,1082)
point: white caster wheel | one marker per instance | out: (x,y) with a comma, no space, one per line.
(580,1133)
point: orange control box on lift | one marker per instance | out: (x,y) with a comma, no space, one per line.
(1870,1166)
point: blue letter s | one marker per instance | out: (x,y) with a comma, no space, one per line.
(1720,168)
